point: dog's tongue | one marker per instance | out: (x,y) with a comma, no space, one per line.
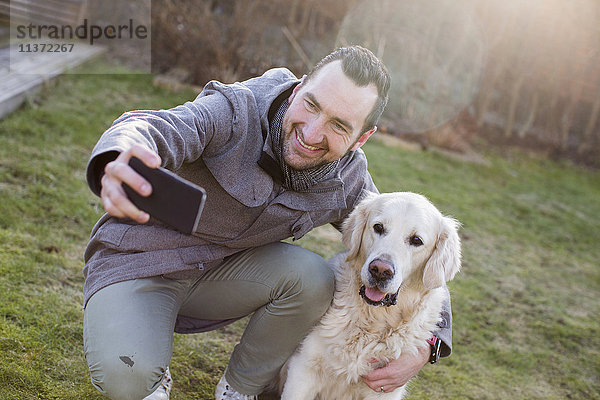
(374,294)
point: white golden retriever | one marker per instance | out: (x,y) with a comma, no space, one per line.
(388,297)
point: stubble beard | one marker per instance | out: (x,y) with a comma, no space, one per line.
(292,159)
(299,163)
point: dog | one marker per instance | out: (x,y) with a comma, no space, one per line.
(387,301)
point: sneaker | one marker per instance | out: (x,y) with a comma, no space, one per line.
(224,391)
(163,391)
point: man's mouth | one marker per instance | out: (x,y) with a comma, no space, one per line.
(304,145)
(376,297)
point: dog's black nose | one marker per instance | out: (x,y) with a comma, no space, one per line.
(381,270)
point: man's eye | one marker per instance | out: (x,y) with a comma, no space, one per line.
(310,106)
(339,127)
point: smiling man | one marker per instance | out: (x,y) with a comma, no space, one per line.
(277,156)
(325,118)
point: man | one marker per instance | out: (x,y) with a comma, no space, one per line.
(277,156)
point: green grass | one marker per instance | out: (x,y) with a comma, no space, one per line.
(525,305)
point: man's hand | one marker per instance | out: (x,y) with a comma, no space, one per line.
(113,196)
(397,372)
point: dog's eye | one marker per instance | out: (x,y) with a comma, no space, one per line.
(378,228)
(416,241)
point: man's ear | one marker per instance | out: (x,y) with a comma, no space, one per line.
(363,139)
(296,88)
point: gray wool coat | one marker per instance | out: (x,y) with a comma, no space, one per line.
(215,141)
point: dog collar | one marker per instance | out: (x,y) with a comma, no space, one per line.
(436,346)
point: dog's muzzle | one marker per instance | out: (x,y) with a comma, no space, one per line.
(390,299)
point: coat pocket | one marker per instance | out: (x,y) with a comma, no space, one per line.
(138,238)
(112,234)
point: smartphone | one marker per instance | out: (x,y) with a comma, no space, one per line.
(174,201)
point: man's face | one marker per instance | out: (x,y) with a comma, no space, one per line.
(325,118)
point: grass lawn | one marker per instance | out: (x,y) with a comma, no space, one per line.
(526,304)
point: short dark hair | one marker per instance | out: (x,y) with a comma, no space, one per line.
(363,68)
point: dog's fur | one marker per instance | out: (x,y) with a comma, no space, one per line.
(384,255)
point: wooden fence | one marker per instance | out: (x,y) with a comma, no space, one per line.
(47,11)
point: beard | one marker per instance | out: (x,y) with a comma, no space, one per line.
(301,162)
(296,160)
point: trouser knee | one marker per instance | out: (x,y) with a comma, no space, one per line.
(128,334)
(124,378)
(312,279)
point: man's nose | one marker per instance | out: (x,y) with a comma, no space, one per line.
(313,131)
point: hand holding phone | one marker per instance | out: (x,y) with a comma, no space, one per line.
(114,199)
(173,201)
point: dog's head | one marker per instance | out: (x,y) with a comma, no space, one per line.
(393,236)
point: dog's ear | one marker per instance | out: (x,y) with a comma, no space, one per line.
(444,262)
(354,226)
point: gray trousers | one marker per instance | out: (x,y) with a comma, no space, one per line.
(128,326)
